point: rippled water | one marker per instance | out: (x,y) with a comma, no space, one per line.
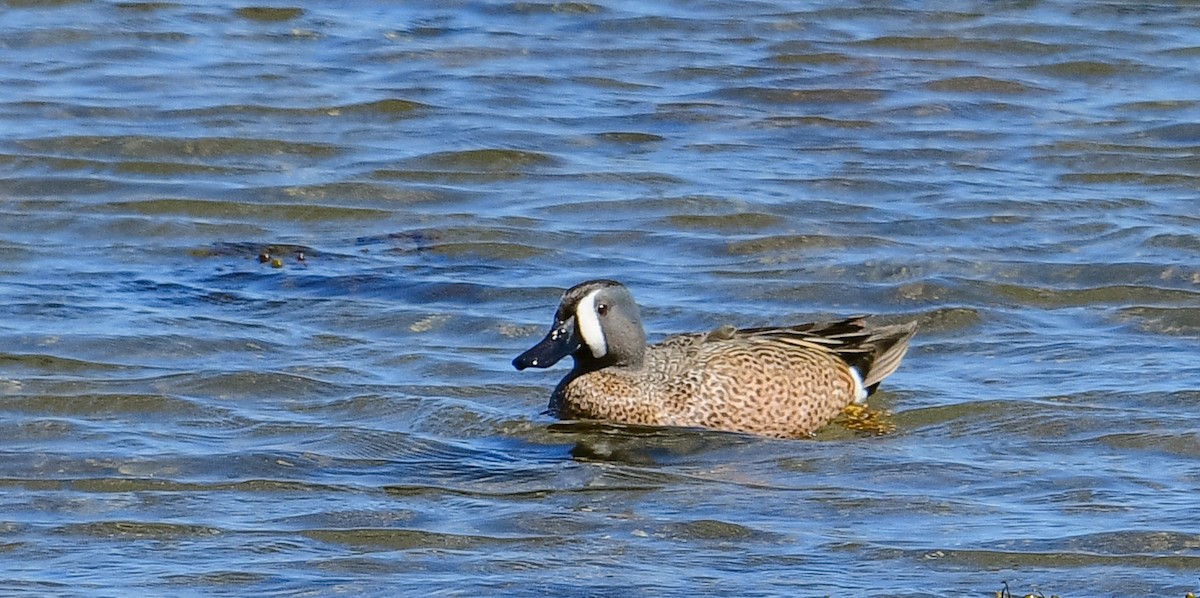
(263,269)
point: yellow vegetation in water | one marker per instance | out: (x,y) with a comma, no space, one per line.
(865,419)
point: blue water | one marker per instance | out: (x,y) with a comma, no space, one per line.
(263,269)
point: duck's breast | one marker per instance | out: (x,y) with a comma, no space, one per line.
(611,395)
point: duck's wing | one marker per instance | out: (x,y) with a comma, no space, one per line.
(875,352)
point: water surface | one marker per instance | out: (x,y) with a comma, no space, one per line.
(263,269)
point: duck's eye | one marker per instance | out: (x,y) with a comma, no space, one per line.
(602,309)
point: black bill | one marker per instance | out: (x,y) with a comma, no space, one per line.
(561,342)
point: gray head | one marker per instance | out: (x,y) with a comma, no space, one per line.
(597,323)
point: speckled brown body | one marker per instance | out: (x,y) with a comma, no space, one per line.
(747,384)
(783,382)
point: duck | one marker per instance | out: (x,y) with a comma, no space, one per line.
(783,382)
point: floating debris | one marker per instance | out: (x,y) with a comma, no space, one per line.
(275,255)
(1005,593)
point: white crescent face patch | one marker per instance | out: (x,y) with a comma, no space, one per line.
(589,325)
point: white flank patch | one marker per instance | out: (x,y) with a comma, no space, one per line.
(589,325)
(860,393)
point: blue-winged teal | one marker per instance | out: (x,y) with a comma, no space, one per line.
(784,382)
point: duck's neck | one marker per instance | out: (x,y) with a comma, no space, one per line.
(618,359)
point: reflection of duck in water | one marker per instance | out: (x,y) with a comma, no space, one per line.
(783,382)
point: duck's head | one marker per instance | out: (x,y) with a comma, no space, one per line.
(597,323)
